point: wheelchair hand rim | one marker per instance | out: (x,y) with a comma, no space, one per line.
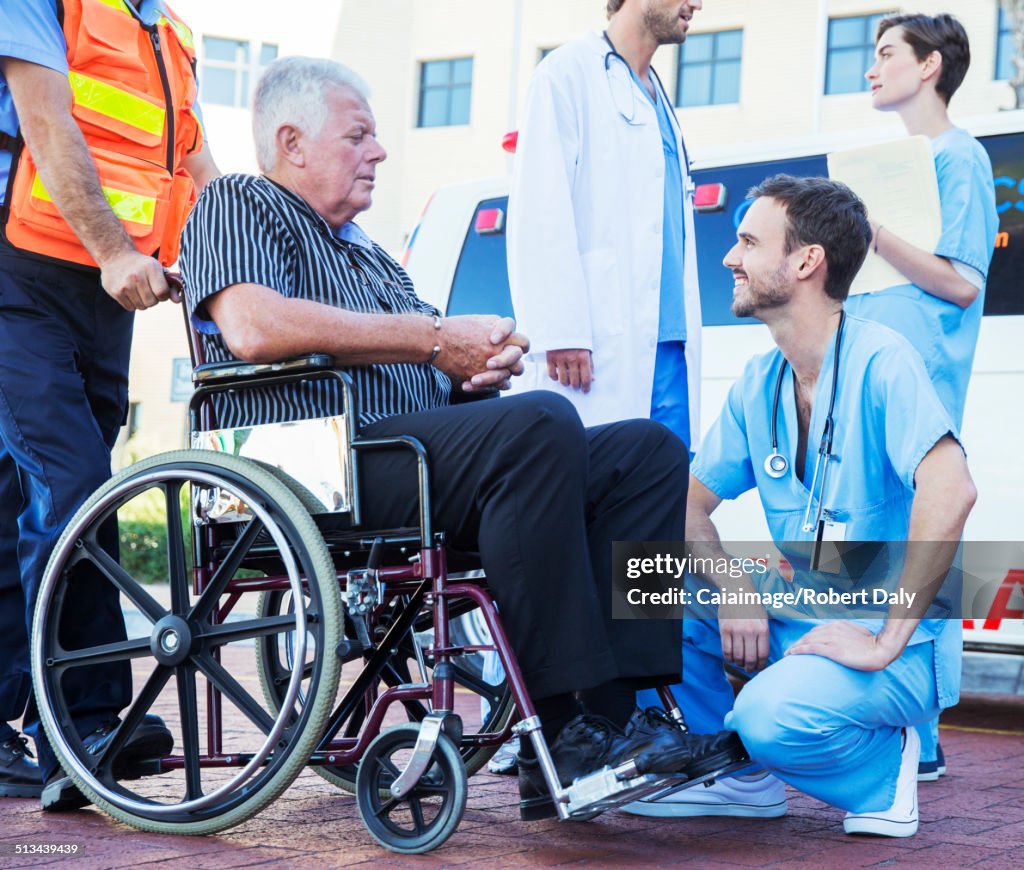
(140,484)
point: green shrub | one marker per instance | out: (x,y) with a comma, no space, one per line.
(142,528)
(144,549)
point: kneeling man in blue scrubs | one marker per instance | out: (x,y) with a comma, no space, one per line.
(845,439)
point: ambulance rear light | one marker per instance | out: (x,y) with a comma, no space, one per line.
(710,197)
(509,141)
(489,221)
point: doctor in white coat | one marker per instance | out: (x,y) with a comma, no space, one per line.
(593,284)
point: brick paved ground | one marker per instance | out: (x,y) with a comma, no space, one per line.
(974,817)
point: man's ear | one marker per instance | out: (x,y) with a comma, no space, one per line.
(290,144)
(812,258)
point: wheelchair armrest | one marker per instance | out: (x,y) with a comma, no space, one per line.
(218,373)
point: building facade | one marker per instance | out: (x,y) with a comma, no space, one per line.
(448,78)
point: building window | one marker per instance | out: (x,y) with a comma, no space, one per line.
(445,87)
(230,69)
(1004,47)
(709,69)
(851,52)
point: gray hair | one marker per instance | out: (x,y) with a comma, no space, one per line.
(291,91)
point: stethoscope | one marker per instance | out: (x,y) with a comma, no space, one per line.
(613,54)
(776,465)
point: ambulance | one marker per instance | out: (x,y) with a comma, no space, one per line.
(456,257)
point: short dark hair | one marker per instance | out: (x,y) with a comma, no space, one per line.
(614,6)
(820,211)
(941,33)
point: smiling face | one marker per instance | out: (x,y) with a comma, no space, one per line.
(897,75)
(669,20)
(341,159)
(761,268)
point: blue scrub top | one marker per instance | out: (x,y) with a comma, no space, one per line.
(943,333)
(672,310)
(870,484)
(30,30)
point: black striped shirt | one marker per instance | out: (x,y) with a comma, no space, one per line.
(248,229)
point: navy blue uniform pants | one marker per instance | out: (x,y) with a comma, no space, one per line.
(64,347)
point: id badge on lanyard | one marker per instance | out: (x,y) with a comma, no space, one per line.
(830,531)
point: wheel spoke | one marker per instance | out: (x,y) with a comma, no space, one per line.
(139,708)
(188,709)
(233,690)
(246,629)
(98,655)
(468,680)
(389,766)
(177,567)
(226,570)
(124,581)
(416,808)
(430,790)
(386,808)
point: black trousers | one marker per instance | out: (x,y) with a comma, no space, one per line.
(64,346)
(520,481)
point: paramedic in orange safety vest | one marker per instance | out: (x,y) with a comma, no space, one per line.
(101,154)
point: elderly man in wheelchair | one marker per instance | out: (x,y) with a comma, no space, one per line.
(300,317)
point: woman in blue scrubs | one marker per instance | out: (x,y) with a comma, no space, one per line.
(920,62)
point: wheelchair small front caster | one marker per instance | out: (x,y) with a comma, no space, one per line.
(425,817)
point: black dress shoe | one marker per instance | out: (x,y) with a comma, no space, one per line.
(19,776)
(660,745)
(660,742)
(150,742)
(712,753)
(586,744)
(656,742)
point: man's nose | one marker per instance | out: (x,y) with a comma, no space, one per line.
(731,260)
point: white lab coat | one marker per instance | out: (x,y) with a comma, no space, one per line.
(585,235)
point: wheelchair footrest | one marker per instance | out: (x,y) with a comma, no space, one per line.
(610,787)
(708,778)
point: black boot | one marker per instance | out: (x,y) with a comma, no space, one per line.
(19,776)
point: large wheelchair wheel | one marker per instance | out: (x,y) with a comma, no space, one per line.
(97,624)
(488,710)
(425,817)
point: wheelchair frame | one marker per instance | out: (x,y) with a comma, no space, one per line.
(370,592)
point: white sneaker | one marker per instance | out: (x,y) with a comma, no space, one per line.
(755,796)
(900,820)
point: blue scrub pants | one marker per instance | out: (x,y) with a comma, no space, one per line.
(828,730)
(670,399)
(63,397)
(929,734)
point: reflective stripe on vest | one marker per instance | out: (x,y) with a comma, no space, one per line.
(126,206)
(117,4)
(120,105)
(184,34)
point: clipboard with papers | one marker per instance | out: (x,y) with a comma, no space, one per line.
(897,182)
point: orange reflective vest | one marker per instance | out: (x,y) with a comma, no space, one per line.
(132,87)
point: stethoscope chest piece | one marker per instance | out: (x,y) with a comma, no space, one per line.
(775,464)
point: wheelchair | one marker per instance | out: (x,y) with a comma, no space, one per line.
(271,570)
